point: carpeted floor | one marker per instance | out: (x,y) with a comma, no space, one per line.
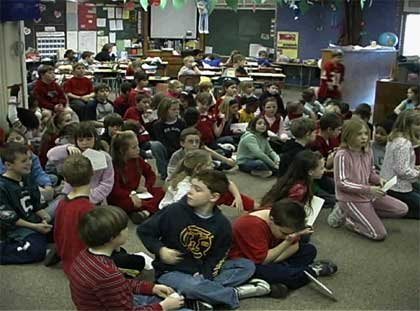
(371,275)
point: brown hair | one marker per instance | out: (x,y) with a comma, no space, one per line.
(204,98)
(188,131)
(119,147)
(164,105)
(302,126)
(77,170)
(404,124)
(288,213)
(216,181)
(10,151)
(101,225)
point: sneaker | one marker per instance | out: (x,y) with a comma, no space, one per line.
(197,305)
(139,217)
(336,218)
(263,174)
(254,288)
(52,257)
(279,290)
(323,267)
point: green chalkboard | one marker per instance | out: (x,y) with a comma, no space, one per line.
(230,30)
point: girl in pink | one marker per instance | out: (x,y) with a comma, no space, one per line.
(358,187)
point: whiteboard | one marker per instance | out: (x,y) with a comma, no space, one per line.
(171,23)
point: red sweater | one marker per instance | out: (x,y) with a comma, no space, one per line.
(66,233)
(127,179)
(121,104)
(97,284)
(133,94)
(205,126)
(133,113)
(79,86)
(332,74)
(324,147)
(49,95)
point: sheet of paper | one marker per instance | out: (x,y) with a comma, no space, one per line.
(148,260)
(87,41)
(72,42)
(96,158)
(111,12)
(313,212)
(118,13)
(389,184)
(119,25)
(144,195)
(101,22)
(126,14)
(112,37)
(112,25)
(127,43)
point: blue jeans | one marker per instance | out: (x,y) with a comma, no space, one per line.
(412,199)
(290,271)
(9,253)
(161,156)
(143,300)
(86,111)
(254,165)
(217,291)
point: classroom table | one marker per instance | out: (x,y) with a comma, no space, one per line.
(301,67)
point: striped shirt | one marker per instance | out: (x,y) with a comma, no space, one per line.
(97,284)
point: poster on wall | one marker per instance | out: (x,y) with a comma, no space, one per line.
(288,43)
(87,16)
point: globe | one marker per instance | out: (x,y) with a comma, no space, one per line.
(388,39)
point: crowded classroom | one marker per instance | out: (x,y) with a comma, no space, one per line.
(210,155)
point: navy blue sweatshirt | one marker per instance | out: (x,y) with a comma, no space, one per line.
(204,243)
(168,134)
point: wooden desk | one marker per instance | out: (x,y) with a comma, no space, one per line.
(311,70)
(174,62)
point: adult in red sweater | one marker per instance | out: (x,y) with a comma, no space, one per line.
(95,281)
(331,77)
(47,92)
(80,91)
(132,175)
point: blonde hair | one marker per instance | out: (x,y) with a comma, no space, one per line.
(191,164)
(173,84)
(403,126)
(205,86)
(187,59)
(243,85)
(225,106)
(350,129)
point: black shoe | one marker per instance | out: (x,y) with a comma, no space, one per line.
(323,267)
(197,305)
(138,217)
(52,257)
(278,290)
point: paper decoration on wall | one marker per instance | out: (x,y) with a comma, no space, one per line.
(144,4)
(27,31)
(288,43)
(178,4)
(87,16)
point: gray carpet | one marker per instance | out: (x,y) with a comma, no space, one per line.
(371,275)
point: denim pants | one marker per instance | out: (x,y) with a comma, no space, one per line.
(290,271)
(220,290)
(144,300)
(412,199)
(86,111)
(161,156)
(254,165)
(9,253)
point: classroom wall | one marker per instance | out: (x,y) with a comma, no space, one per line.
(321,26)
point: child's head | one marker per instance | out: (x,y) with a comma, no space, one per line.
(105,225)
(17,158)
(303,129)
(333,106)
(86,136)
(259,125)
(190,139)
(175,86)
(206,188)
(136,65)
(61,119)
(102,91)
(113,123)
(77,170)
(272,88)
(189,61)
(238,60)
(229,107)
(125,88)
(191,116)
(382,130)
(331,124)
(247,87)
(337,56)
(204,101)
(79,69)
(355,134)
(46,73)
(168,109)
(251,104)
(306,166)
(141,79)
(295,108)
(86,55)
(262,54)
(230,87)
(156,99)
(107,47)
(17,137)
(407,125)
(308,95)
(66,134)
(124,146)
(286,217)
(69,54)
(143,101)
(205,86)
(270,107)
(364,111)
(413,94)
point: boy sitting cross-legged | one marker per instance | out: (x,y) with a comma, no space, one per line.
(190,239)
(96,283)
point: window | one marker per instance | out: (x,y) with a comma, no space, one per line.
(411,43)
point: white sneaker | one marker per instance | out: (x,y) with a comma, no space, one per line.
(263,174)
(336,218)
(254,288)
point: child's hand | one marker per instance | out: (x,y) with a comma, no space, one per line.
(73,150)
(47,193)
(170,256)
(42,227)
(172,303)
(136,201)
(162,291)
(377,192)
(237,202)
(59,108)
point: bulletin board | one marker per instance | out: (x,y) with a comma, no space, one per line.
(288,43)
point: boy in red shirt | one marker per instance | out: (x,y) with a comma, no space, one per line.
(142,82)
(121,102)
(208,123)
(331,77)
(80,91)
(47,92)
(271,238)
